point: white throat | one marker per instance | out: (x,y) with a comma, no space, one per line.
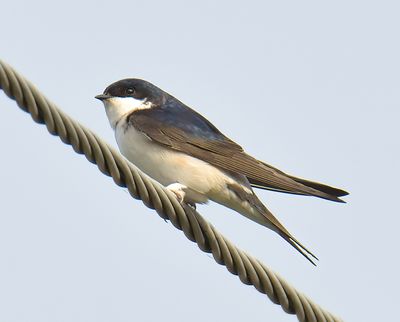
(118,107)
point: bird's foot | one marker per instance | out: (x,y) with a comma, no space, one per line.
(178,190)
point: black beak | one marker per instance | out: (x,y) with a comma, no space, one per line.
(102,97)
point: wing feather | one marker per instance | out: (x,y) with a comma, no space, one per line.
(190,133)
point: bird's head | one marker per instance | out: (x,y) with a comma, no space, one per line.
(128,95)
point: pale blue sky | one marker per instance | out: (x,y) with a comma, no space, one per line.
(311,87)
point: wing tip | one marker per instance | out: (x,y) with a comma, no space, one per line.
(323,188)
(343,193)
(332,198)
(311,189)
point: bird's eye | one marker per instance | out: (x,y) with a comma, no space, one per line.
(130,90)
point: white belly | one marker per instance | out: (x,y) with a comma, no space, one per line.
(168,166)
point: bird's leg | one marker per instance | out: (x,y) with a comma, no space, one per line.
(180,193)
(178,189)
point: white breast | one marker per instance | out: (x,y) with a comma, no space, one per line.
(166,165)
(203,181)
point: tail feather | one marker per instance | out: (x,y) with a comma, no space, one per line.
(250,206)
(272,222)
(299,247)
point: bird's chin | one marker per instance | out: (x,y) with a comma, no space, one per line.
(123,104)
(117,107)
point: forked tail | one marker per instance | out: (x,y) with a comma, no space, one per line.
(247,203)
(273,223)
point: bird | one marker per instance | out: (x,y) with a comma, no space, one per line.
(182,150)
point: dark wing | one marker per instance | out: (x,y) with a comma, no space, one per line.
(312,184)
(180,128)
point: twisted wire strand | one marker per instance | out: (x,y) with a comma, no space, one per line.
(249,270)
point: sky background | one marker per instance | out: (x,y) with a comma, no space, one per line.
(308,86)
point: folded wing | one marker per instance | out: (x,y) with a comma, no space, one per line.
(182,129)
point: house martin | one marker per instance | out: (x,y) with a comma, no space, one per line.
(182,150)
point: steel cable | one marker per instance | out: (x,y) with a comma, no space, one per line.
(111,163)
